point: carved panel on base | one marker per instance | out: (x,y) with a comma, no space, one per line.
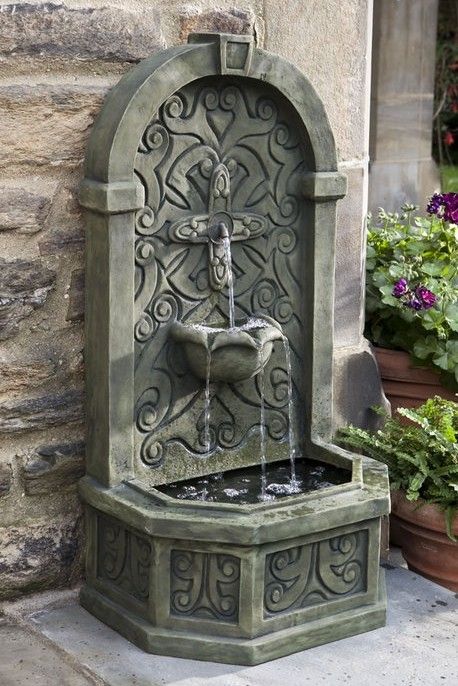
(204,585)
(123,558)
(318,572)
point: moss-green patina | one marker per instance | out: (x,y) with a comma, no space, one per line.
(240,584)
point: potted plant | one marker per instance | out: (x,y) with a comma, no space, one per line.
(422,459)
(412,300)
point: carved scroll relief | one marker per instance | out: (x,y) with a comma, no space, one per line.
(319,572)
(205,585)
(217,154)
(123,558)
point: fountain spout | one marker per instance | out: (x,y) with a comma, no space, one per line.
(223,230)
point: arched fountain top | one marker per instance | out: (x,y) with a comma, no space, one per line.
(115,197)
(133,101)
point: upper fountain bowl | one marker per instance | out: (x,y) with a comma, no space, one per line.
(229,355)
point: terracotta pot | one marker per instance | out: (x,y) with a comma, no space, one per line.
(420,532)
(404,385)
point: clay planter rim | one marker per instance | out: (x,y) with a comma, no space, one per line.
(396,365)
(427,515)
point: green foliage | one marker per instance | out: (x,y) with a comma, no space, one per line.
(424,251)
(422,457)
(449,178)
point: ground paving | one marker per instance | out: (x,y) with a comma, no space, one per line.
(49,640)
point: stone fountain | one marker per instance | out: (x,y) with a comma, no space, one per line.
(210,187)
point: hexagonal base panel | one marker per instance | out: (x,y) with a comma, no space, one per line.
(235,650)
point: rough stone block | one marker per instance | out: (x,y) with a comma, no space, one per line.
(62,241)
(237,21)
(34,557)
(22,211)
(75,309)
(66,232)
(6,477)
(26,414)
(46,124)
(46,29)
(24,286)
(15,375)
(52,356)
(53,468)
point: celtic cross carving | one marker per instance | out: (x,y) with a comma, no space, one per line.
(219,222)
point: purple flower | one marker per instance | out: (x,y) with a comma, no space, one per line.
(444,205)
(435,204)
(414,303)
(400,288)
(426,297)
(450,202)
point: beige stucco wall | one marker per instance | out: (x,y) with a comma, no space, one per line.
(57,62)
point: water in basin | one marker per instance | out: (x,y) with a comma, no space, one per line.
(243,486)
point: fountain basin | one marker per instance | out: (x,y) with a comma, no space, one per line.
(228,354)
(238,584)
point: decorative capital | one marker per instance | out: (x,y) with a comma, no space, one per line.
(324,186)
(111,198)
(235,51)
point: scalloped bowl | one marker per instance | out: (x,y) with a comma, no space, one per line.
(234,354)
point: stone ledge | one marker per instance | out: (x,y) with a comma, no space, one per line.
(324,186)
(111,198)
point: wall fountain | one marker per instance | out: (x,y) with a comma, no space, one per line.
(223,524)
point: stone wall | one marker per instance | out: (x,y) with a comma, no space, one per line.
(57,62)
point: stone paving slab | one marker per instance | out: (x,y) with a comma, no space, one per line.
(27,659)
(418,647)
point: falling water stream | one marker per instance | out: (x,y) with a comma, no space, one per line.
(230,280)
(207,403)
(291,431)
(276,489)
(262,434)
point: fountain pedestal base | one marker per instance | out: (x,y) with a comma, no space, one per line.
(236,650)
(239,585)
